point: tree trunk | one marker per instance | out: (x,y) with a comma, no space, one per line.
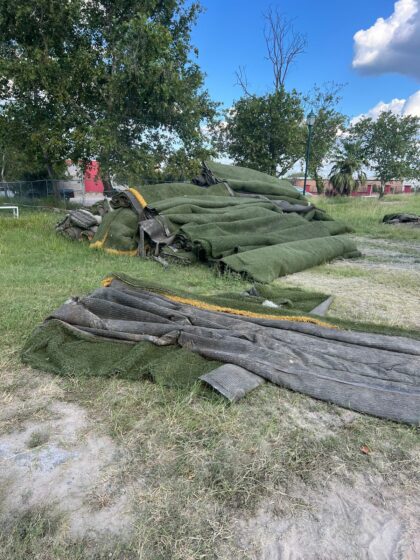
(382,191)
(318,182)
(50,172)
(106,181)
(3,167)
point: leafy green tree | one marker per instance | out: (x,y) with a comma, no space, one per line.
(347,173)
(15,162)
(391,146)
(38,40)
(181,166)
(266,132)
(110,80)
(328,122)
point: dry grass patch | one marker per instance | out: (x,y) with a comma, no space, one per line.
(369,289)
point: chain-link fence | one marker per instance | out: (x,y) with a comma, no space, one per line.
(71,190)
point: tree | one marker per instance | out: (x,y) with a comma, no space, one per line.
(347,173)
(284,44)
(328,122)
(391,145)
(110,80)
(36,79)
(14,161)
(266,132)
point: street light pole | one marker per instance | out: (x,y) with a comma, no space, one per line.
(310,120)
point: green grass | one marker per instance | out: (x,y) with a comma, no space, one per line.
(191,464)
(36,535)
(37,438)
(365,214)
(40,270)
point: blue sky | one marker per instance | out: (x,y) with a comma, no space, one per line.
(229,34)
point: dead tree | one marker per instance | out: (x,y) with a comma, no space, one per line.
(242,80)
(284,44)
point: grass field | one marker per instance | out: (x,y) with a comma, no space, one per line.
(94,468)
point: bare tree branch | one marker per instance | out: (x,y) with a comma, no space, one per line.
(242,80)
(283,43)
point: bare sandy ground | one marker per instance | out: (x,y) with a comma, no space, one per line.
(344,516)
(71,469)
(366,520)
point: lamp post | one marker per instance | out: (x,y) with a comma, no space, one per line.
(310,120)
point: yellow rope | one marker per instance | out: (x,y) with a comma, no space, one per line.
(100,243)
(106,282)
(243,313)
(129,252)
(139,197)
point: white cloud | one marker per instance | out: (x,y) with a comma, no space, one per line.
(391,44)
(410,106)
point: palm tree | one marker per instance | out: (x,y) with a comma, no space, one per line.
(347,172)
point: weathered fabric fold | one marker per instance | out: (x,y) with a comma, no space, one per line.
(370,373)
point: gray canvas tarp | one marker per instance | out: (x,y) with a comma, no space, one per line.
(370,373)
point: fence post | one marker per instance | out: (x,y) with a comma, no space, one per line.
(83,190)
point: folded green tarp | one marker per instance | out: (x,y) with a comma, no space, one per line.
(215,172)
(222,238)
(163,191)
(251,222)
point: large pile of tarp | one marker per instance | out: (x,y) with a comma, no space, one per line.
(134,329)
(232,217)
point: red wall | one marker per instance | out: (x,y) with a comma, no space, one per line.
(92,181)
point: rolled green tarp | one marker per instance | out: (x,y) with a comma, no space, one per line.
(267,189)
(268,263)
(118,233)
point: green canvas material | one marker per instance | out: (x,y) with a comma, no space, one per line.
(163,191)
(58,348)
(268,263)
(233,218)
(228,173)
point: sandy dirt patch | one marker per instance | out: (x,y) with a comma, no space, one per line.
(60,462)
(367,520)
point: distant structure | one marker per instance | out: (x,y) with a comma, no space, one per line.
(90,178)
(371,187)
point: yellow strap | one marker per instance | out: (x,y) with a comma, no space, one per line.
(129,252)
(243,313)
(100,243)
(139,197)
(211,307)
